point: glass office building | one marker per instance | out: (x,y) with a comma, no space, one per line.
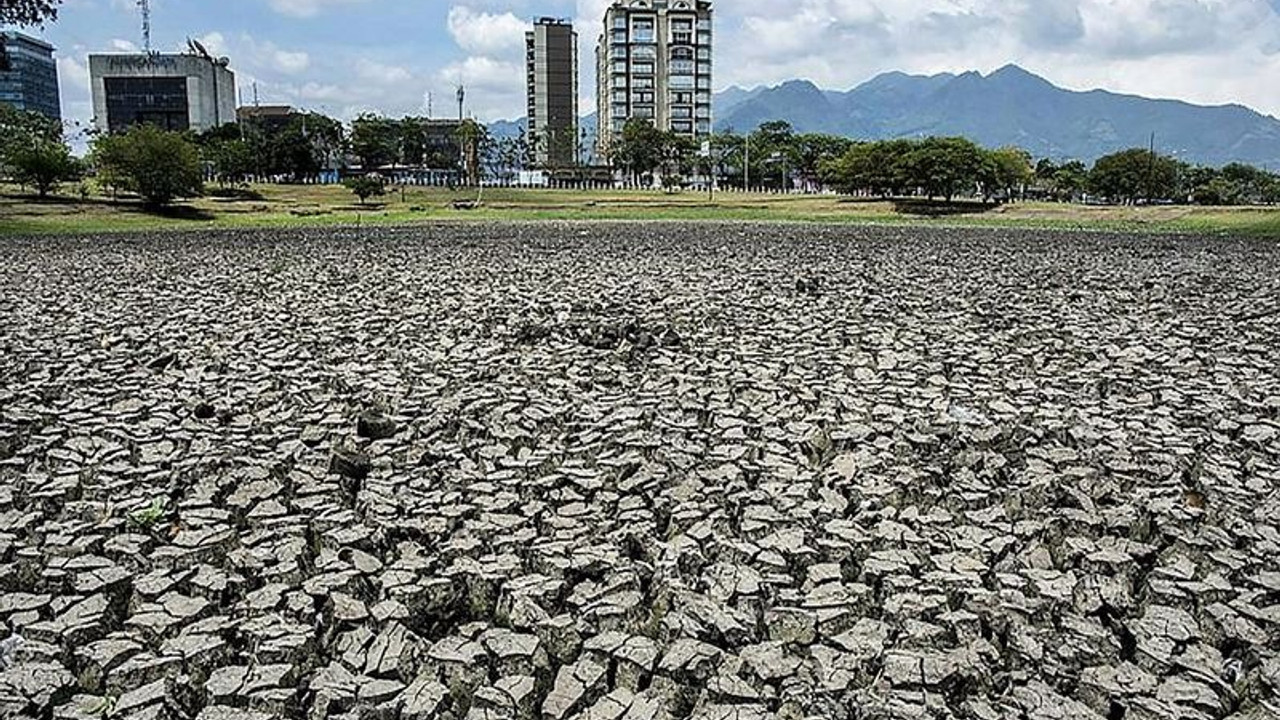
(29,75)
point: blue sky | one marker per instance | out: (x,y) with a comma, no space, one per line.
(346,56)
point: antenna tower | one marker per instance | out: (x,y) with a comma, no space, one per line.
(145,7)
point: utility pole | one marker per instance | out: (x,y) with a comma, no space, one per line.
(1151,171)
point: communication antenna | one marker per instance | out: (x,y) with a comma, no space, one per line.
(145,7)
(255,95)
(462,98)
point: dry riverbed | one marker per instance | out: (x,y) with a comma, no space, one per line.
(639,472)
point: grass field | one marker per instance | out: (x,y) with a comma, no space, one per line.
(281,205)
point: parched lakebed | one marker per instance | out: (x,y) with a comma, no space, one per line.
(640,472)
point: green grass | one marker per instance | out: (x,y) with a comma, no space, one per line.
(305,206)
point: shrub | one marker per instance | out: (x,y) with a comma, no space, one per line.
(366,187)
(42,164)
(159,166)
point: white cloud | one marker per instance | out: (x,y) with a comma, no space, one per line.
(290,62)
(382,74)
(484,33)
(72,76)
(494,88)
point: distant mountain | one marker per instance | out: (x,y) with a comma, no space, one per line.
(1010,107)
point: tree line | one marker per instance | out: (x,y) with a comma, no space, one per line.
(161,166)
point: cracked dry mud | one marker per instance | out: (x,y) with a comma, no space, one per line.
(639,472)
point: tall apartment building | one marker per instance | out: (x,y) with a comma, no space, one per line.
(175,92)
(653,62)
(552,59)
(29,75)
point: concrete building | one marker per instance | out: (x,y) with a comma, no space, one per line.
(653,62)
(267,118)
(29,75)
(552,59)
(175,92)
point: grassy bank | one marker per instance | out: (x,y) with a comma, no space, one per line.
(280,205)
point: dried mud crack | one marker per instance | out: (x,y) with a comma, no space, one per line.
(639,472)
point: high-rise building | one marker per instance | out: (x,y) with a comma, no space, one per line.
(552,59)
(653,62)
(175,92)
(29,75)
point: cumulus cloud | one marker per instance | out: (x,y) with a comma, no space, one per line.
(485,33)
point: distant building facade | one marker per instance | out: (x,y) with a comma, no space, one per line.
(29,75)
(654,62)
(552,59)
(268,118)
(175,92)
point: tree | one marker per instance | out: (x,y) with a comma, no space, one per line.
(28,12)
(813,150)
(232,161)
(679,155)
(944,167)
(639,151)
(366,186)
(878,168)
(43,164)
(472,136)
(375,140)
(727,156)
(1011,170)
(20,128)
(1136,174)
(159,166)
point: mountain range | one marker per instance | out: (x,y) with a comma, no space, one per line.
(1010,106)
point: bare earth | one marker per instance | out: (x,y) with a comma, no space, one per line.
(640,472)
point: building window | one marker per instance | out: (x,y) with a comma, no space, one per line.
(681,54)
(642,31)
(683,113)
(682,82)
(682,126)
(681,67)
(159,101)
(704,38)
(644,113)
(644,68)
(704,68)
(645,52)
(643,96)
